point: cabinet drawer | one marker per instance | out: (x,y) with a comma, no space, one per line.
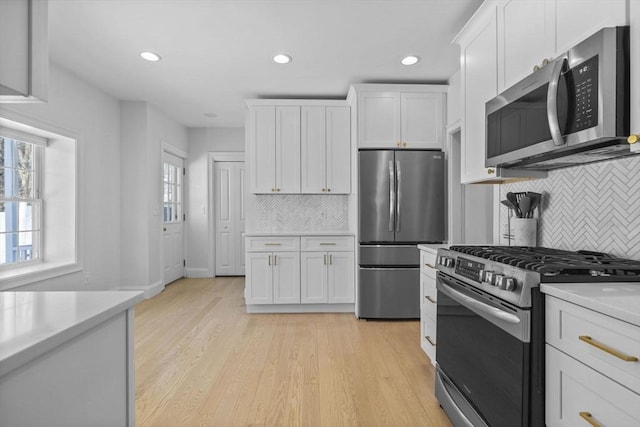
(272,243)
(427,338)
(428,262)
(428,287)
(327,243)
(579,332)
(573,389)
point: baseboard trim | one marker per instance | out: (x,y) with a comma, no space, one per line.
(198,273)
(301,308)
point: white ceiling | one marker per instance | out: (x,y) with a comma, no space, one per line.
(216,53)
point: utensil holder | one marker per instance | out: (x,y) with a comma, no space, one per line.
(525,231)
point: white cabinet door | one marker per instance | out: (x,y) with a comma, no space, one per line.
(378,119)
(340,277)
(313,283)
(287,150)
(578,19)
(527,37)
(338,143)
(314,150)
(263,147)
(259,280)
(422,120)
(286,277)
(479,84)
(634,17)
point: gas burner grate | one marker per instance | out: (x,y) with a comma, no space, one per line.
(554,262)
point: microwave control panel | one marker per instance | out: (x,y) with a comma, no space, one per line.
(584,79)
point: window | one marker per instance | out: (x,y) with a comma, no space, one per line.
(172,185)
(20,202)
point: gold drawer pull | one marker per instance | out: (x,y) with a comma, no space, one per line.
(430,299)
(428,338)
(429,265)
(327,244)
(273,244)
(587,417)
(607,349)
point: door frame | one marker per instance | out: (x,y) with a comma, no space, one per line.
(165,147)
(455,190)
(212,157)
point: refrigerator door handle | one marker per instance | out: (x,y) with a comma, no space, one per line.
(399,191)
(392,196)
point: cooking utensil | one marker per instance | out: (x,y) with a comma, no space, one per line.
(535,201)
(508,204)
(512,198)
(525,206)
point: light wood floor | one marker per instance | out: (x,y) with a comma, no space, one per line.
(202,361)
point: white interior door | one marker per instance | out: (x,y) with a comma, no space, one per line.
(172,217)
(229,181)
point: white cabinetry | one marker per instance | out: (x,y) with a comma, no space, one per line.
(428,303)
(326,150)
(399,116)
(294,273)
(275,149)
(273,270)
(592,368)
(328,270)
(24,50)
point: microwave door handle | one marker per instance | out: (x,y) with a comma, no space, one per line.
(552,102)
(392,196)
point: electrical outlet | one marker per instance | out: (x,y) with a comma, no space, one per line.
(86,278)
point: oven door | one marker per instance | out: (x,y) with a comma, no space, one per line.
(483,350)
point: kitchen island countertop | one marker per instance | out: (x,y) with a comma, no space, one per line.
(33,323)
(618,300)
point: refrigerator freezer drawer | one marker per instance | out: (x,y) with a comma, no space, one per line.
(389,255)
(389,293)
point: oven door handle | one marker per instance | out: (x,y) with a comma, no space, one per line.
(480,306)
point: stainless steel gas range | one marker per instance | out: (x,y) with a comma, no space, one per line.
(490,359)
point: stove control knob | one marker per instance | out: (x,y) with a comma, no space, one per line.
(497,279)
(446,261)
(487,277)
(507,284)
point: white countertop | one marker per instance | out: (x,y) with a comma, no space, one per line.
(299,233)
(618,300)
(33,323)
(433,247)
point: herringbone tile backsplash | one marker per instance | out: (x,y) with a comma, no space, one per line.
(293,213)
(592,207)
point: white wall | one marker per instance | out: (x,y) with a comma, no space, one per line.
(202,141)
(94,116)
(144,129)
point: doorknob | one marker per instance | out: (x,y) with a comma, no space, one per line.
(164,228)
(225,227)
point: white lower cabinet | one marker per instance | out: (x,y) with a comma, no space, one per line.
(278,272)
(592,368)
(273,278)
(428,304)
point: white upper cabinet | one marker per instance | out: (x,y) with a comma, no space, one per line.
(275,149)
(400,116)
(24,51)
(326,150)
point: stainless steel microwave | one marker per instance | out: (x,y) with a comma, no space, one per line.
(573,110)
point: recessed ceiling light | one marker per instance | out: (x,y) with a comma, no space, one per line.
(410,60)
(150,56)
(211,115)
(281,58)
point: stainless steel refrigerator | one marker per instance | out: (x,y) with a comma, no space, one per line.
(401,204)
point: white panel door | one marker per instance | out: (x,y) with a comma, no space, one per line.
(338,121)
(422,120)
(313,280)
(287,151)
(341,277)
(172,217)
(314,158)
(263,149)
(286,277)
(229,218)
(259,280)
(378,119)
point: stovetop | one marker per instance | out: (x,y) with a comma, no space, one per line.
(511,272)
(583,266)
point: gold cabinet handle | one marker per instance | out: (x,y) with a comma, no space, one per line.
(330,259)
(429,265)
(428,338)
(607,349)
(327,244)
(269,262)
(588,418)
(275,260)
(428,298)
(324,257)
(329,190)
(277,189)
(491,171)
(273,244)
(633,138)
